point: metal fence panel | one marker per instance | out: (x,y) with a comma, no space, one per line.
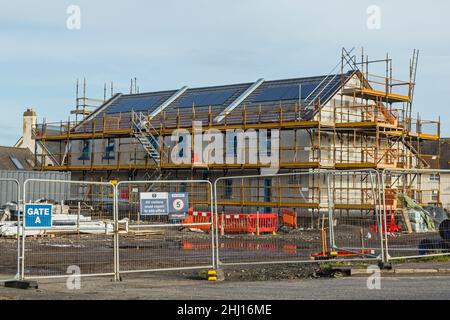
(9,228)
(356,207)
(155,241)
(303,205)
(82,236)
(283,218)
(416,213)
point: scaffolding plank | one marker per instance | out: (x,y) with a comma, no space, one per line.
(376,94)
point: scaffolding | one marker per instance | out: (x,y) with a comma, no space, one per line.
(368,124)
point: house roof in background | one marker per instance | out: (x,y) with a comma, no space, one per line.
(16,159)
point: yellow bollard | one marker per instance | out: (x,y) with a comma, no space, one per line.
(212,275)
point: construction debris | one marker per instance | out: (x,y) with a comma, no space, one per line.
(8,212)
(62,223)
(5,215)
(57,207)
(437,214)
(421,220)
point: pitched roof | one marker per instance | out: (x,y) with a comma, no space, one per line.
(286,90)
(217,101)
(16,159)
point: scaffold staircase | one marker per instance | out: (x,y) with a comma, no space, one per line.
(156,175)
(146,135)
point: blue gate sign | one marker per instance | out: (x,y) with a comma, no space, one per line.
(154,203)
(38,216)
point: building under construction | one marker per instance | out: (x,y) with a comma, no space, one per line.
(356,117)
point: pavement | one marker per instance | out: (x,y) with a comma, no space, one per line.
(154,286)
(410,268)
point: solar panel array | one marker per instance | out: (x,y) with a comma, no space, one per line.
(137,103)
(201,99)
(291,92)
(269,91)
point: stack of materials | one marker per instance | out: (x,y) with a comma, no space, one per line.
(420,219)
(425,219)
(62,224)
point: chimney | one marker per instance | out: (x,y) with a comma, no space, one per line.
(29,121)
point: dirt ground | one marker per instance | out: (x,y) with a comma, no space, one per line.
(175,249)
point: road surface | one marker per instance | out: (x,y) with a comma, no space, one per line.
(155,286)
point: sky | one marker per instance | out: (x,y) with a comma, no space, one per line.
(168,44)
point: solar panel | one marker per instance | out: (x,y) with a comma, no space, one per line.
(277,93)
(291,92)
(191,99)
(201,99)
(136,103)
(273,93)
(308,88)
(324,91)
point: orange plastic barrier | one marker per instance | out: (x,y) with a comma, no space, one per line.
(248,223)
(289,218)
(198,217)
(233,223)
(268,222)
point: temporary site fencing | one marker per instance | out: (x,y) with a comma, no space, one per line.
(111,229)
(9,226)
(151,241)
(298,217)
(416,213)
(355,213)
(82,239)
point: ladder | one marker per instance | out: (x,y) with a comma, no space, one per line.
(327,85)
(146,135)
(324,87)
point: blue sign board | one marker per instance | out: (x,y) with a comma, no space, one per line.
(154,203)
(38,215)
(164,203)
(178,202)
(178,205)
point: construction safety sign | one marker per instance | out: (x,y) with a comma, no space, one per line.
(178,205)
(38,216)
(154,203)
(164,203)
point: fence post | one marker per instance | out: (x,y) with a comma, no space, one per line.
(257,222)
(78,218)
(222,225)
(383,218)
(216,212)
(330,212)
(378,200)
(22,249)
(19,209)
(116,233)
(210,186)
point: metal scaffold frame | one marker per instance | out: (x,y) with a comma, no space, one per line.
(368,125)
